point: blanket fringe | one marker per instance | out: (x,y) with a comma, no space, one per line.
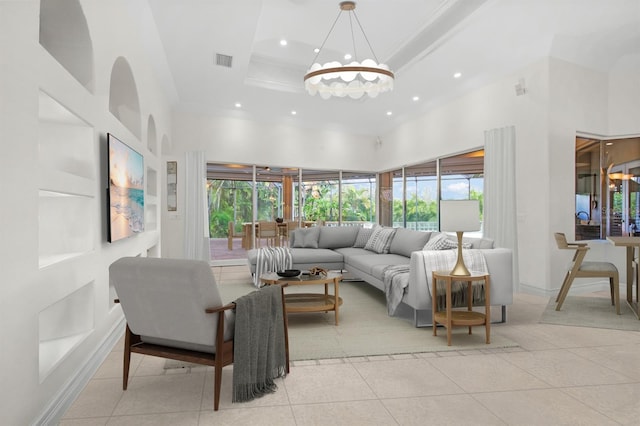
(249,391)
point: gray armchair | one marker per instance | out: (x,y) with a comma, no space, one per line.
(173,310)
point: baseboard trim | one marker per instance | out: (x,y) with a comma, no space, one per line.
(74,386)
(576,288)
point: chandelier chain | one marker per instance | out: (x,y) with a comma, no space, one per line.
(365,37)
(353,37)
(326,38)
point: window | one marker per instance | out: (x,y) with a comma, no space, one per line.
(606,187)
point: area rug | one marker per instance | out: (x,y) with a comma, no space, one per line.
(595,312)
(365,328)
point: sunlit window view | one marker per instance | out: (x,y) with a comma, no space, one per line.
(246,200)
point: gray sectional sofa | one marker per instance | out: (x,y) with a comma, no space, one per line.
(354,250)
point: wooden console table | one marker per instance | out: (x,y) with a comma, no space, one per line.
(450,318)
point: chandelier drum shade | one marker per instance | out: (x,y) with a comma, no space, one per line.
(354,79)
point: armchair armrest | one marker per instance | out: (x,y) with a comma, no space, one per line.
(221,308)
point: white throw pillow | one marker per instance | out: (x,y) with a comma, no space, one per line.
(443,242)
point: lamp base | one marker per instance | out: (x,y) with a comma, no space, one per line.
(460,269)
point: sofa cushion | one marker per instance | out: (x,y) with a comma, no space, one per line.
(380,240)
(332,237)
(377,270)
(363,236)
(306,237)
(311,256)
(354,251)
(406,241)
(374,264)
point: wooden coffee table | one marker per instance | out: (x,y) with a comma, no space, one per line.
(310,302)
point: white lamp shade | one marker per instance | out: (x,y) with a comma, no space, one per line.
(459,215)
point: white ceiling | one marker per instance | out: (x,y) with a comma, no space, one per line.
(424,41)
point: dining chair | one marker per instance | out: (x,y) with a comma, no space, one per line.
(578,268)
(268,231)
(287,230)
(232,233)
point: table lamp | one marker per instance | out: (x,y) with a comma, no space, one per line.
(459,216)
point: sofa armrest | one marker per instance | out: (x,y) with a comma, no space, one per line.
(499,263)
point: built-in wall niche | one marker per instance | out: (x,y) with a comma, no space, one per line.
(152,182)
(63,325)
(67,169)
(66,226)
(64,33)
(151,201)
(151,217)
(152,138)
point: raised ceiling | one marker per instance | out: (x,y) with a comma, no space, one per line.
(424,41)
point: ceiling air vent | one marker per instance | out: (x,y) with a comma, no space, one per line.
(224,60)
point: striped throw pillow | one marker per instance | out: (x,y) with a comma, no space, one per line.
(363,236)
(380,240)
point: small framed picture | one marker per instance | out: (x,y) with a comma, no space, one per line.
(172,183)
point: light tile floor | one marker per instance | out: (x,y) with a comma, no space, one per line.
(558,375)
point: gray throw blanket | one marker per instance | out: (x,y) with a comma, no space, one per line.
(271,259)
(259,354)
(396,280)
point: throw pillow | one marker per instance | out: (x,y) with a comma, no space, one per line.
(380,240)
(306,237)
(443,242)
(363,236)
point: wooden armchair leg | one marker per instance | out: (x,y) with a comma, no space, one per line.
(127,358)
(217,382)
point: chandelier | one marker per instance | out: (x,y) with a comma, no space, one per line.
(353,79)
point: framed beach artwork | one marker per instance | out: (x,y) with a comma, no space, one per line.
(125,190)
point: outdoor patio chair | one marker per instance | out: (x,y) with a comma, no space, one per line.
(232,233)
(268,231)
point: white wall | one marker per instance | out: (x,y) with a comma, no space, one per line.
(236,140)
(71,293)
(460,126)
(624,96)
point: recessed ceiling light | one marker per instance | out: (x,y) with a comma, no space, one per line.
(238,105)
(416,98)
(316,50)
(294,112)
(389,112)
(283,42)
(457,75)
(347,56)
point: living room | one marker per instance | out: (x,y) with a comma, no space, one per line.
(55,273)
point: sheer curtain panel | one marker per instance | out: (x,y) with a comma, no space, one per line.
(500,210)
(196,227)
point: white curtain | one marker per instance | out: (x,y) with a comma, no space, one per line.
(500,210)
(196,223)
